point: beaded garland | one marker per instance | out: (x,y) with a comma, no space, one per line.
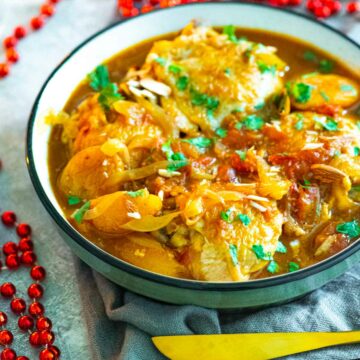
(319,8)
(35,323)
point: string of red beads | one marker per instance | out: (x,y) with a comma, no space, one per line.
(35,323)
(10,42)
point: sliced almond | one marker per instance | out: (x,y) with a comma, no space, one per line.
(257,198)
(156,87)
(312,146)
(328,174)
(258,206)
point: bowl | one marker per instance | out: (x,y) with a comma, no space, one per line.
(104,44)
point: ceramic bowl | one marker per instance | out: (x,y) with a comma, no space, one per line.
(103,45)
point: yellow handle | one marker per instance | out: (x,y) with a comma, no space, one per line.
(249,346)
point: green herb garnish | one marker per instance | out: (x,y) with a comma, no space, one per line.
(273,267)
(351,229)
(259,106)
(226,216)
(221,132)
(301,92)
(241,153)
(309,56)
(227,71)
(356,151)
(330,124)
(73,200)
(199,99)
(326,66)
(347,88)
(253,122)
(182,83)
(245,219)
(161,61)
(79,214)
(299,125)
(324,96)
(281,248)
(137,193)
(109,95)
(293,266)
(166,149)
(266,69)
(234,254)
(175,69)
(229,30)
(99,78)
(200,142)
(175,165)
(260,253)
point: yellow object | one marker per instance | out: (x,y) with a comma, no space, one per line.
(249,346)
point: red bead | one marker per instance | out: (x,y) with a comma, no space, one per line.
(54,1)
(28,258)
(20,32)
(353,7)
(6,337)
(25,244)
(25,322)
(47,10)
(10,248)
(130,12)
(18,305)
(8,218)
(36,309)
(34,338)
(55,350)
(22,358)
(12,261)
(38,272)
(47,337)
(3,318)
(8,354)
(7,290)
(47,354)
(295,2)
(323,12)
(10,42)
(4,70)
(35,291)
(12,55)
(146,9)
(37,22)
(154,2)
(128,4)
(43,323)
(23,230)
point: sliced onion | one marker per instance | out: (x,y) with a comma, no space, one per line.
(150,223)
(103,204)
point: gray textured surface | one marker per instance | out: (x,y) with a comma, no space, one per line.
(84,329)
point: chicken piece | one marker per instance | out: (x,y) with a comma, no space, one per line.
(109,212)
(312,92)
(144,251)
(223,251)
(87,172)
(211,76)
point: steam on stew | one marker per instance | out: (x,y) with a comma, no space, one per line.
(211,155)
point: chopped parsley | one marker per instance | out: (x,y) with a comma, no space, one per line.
(241,153)
(293,266)
(306,185)
(301,92)
(175,69)
(73,200)
(260,253)
(161,61)
(221,132)
(266,69)
(227,72)
(182,83)
(358,124)
(226,216)
(229,30)
(281,248)
(356,151)
(259,106)
(245,219)
(79,214)
(175,165)
(137,193)
(99,78)
(299,125)
(329,124)
(273,267)
(109,95)
(351,229)
(200,142)
(309,56)
(178,156)
(253,122)
(324,96)
(326,66)
(355,188)
(199,99)
(166,149)
(234,254)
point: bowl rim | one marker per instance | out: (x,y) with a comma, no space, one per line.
(110,259)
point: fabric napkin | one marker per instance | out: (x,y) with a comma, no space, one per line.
(93,318)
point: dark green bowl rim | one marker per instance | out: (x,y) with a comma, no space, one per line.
(150,276)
